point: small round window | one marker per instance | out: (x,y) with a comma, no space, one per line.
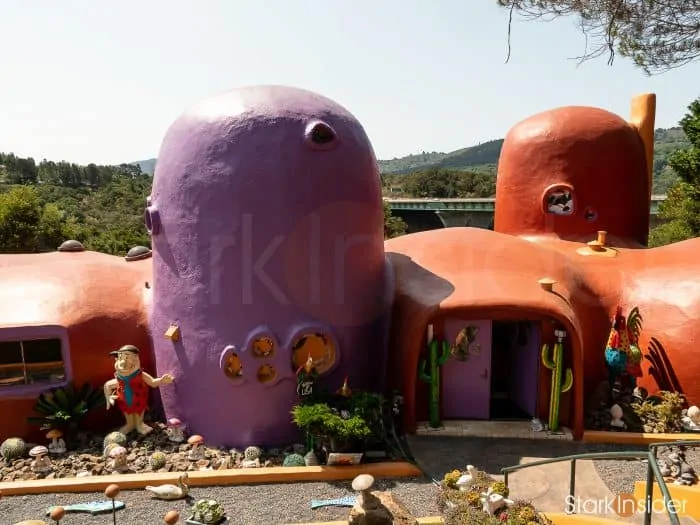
(266,374)
(233,369)
(559,200)
(151,219)
(263,347)
(319,347)
(590,214)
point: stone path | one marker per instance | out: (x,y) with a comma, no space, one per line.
(546,486)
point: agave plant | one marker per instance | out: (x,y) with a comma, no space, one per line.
(66,407)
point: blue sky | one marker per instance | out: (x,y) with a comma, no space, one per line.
(90,81)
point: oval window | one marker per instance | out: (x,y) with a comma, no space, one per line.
(266,374)
(559,200)
(319,347)
(263,347)
(233,369)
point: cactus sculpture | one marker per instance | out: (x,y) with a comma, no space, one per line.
(435,360)
(556,365)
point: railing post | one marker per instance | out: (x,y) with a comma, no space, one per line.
(572,484)
(649,492)
(505,478)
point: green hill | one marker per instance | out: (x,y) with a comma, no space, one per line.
(483,158)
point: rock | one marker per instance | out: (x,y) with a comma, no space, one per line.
(385,509)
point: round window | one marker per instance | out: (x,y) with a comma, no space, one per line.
(319,347)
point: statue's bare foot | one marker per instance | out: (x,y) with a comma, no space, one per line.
(143,429)
(127,429)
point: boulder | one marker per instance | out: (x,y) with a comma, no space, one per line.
(380,508)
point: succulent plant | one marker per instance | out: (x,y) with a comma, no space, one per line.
(12,448)
(294,460)
(158,460)
(252,453)
(207,511)
(116,438)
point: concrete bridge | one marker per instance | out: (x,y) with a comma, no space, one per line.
(430,214)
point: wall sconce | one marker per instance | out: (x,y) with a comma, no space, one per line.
(547,284)
(173,333)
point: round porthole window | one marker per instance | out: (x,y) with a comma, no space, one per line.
(266,374)
(231,364)
(319,347)
(151,219)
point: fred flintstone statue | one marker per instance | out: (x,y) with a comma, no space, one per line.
(128,390)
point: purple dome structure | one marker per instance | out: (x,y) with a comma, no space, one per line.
(266,219)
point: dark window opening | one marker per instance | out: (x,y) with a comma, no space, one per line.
(35,361)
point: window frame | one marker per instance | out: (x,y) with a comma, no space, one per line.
(313,330)
(16,334)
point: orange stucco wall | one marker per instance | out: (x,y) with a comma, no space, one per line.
(101,301)
(602,161)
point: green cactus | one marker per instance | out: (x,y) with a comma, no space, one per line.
(252,453)
(435,360)
(158,460)
(294,460)
(12,448)
(114,438)
(556,365)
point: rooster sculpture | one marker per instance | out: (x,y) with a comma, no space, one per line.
(618,348)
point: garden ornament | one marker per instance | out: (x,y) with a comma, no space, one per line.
(344,390)
(41,463)
(492,501)
(170,491)
(91,507)
(465,480)
(57,445)
(128,390)
(176,432)
(562,378)
(197,451)
(118,459)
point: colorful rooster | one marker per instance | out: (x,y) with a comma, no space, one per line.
(618,348)
(634,358)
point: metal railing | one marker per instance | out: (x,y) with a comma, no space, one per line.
(653,473)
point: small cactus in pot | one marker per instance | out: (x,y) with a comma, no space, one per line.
(252,453)
(207,512)
(157,460)
(12,448)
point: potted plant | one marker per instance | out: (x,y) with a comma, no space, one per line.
(338,430)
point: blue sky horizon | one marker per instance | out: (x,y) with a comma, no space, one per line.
(98,82)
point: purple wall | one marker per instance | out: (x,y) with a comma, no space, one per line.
(267,218)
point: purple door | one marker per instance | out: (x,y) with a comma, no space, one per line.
(525,367)
(466,385)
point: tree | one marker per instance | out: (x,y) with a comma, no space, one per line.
(681,209)
(393,226)
(657,35)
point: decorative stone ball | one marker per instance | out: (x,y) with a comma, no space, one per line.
(13,448)
(252,453)
(57,514)
(294,460)
(158,460)
(363,482)
(172,517)
(112,491)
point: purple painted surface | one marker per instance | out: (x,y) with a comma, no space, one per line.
(267,217)
(466,385)
(28,333)
(525,368)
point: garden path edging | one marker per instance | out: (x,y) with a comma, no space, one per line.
(239,476)
(635,438)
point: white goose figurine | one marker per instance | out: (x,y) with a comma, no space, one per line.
(171,492)
(465,480)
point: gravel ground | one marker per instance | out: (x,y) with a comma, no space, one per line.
(245,505)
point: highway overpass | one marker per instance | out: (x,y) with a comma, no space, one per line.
(429,214)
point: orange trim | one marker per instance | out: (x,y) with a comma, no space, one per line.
(635,438)
(242,476)
(686,499)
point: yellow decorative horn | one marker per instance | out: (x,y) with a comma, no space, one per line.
(643,116)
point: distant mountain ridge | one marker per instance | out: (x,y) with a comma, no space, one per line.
(484,156)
